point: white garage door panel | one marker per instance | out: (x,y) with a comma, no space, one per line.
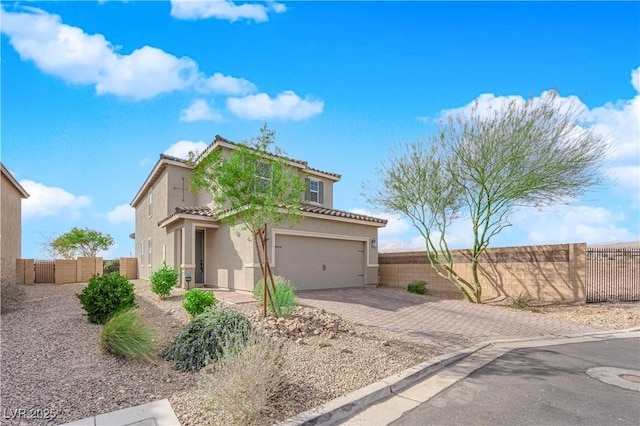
(315,263)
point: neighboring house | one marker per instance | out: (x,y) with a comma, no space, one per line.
(10,225)
(327,249)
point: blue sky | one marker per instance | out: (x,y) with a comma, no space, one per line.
(93,92)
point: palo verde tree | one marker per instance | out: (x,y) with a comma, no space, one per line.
(79,242)
(485,164)
(256,186)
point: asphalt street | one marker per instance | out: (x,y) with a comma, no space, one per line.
(594,383)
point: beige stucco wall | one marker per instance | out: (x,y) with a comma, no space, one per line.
(550,273)
(165,200)
(10,231)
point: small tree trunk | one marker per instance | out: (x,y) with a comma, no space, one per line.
(265,269)
(477,292)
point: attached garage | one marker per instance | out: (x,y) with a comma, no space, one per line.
(318,263)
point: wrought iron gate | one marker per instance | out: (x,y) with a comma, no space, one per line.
(613,274)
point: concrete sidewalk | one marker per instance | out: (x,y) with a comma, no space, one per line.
(158,413)
(441,323)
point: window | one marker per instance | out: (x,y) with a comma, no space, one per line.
(315,189)
(142,254)
(150,203)
(149,244)
(263,171)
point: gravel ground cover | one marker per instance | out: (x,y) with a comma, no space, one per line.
(53,371)
(612,316)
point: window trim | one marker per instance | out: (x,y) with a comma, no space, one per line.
(309,192)
(150,251)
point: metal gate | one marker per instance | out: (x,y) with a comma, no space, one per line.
(44,271)
(613,274)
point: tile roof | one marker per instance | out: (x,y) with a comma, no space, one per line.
(195,211)
(206,212)
(219,138)
(340,213)
(13,181)
(172,158)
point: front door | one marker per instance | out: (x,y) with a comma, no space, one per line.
(199,256)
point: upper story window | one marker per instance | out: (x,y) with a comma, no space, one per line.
(150,203)
(263,170)
(315,190)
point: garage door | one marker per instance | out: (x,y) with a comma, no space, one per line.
(315,263)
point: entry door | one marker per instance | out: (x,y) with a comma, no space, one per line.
(199,256)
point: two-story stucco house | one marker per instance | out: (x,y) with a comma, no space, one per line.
(11,197)
(328,249)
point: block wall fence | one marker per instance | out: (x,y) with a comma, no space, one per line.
(550,273)
(79,270)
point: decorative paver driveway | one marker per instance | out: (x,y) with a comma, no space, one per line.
(450,324)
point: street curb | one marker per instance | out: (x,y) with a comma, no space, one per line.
(348,405)
(345,406)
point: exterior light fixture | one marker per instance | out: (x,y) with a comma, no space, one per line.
(374,243)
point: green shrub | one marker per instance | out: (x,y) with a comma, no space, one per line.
(105,295)
(418,287)
(209,337)
(163,280)
(111,266)
(125,335)
(284,298)
(195,301)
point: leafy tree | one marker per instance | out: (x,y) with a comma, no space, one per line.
(257,187)
(483,165)
(79,242)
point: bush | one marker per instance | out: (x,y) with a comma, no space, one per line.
(284,298)
(125,335)
(105,295)
(523,301)
(418,287)
(111,266)
(195,301)
(209,337)
(163,280)
(246,385)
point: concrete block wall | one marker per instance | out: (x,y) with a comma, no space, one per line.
(552,273)
(66,271)
(129,267)
(88,267)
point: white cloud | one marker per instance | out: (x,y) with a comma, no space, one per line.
(224,9)
(123,213)
(45,201)
(181,149)
(225,85)
(635,79)
(69,53)
(199,110)
(580,223)
(619,122)
(285,106)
